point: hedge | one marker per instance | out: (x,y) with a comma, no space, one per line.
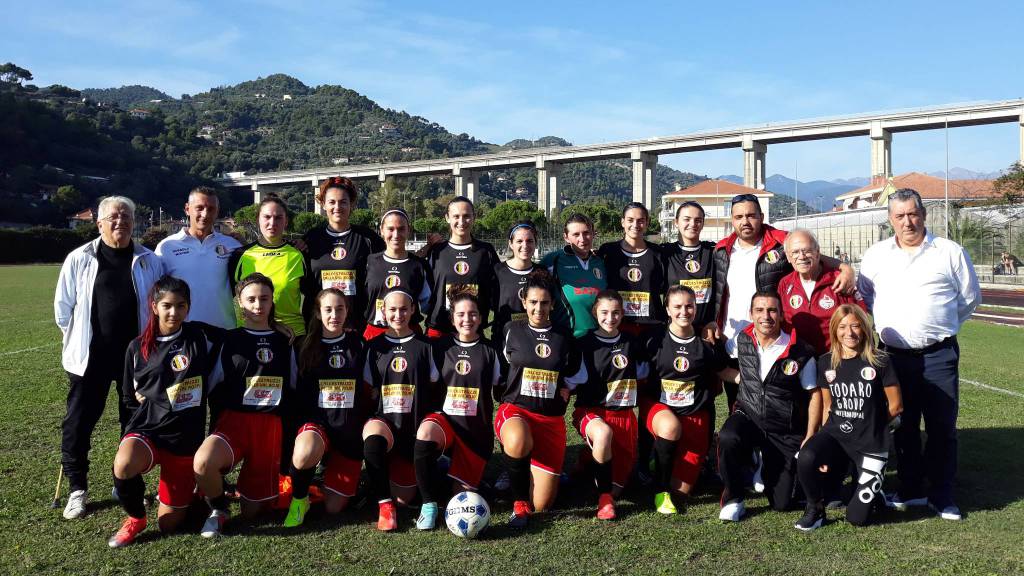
(41,244)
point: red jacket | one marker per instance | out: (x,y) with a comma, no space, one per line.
(810,317)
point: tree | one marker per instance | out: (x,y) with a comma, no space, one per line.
(606,219)
(306,221)
(430,224)
(386,197)
(1011,184)
(67,199)
(246,215)
(13,74)
(363,217)
(61,90)
(500,219)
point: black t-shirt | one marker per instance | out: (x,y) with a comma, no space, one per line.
(333,394)
(471,264)
(860,410)
(260,374)
(175,381)
(508,306)
(338,260)
(385,274)
(403,373)
(614,368)
(693,267)
(470,373)
(537,362)
(683,373)
(115,314)
(639,277)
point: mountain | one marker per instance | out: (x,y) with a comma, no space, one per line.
(807,191)
(125,96)
(965,174)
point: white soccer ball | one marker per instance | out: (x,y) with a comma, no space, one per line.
(467,514)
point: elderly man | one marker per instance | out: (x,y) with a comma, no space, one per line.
(101,304)
(199,256)
(921,289)
(808,295)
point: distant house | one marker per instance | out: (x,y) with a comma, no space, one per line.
(340,160)
(206,132)
(930,188)
(139,113)
(715,197)
(86,217)
(389,130)
(286,97)
(157,101)
(410,149)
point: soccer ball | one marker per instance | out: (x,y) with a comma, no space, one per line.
(467,514)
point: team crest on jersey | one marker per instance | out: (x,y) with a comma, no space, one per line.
(463,367)
(336,361)
(597,273)
(542,350)
(633,274)
(264,355)
(399,364)
(790,367)
(681,364)
(620,361)
(692,266)
(772,256)
(392,281)
(830,375)
(796,301)
(868,373)
(339,253)
(461,267)
(221,250)
(826,302)
(179,362)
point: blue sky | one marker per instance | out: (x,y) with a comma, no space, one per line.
(585,71)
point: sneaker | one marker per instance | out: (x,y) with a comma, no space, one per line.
(131,528)
(214,524)
(733,511)
(813,518)
(428,516)
(758,481)
(896,502)
(520,514)
(387,517)
(605,507)
(296,512)
(76,504)
(503,482)
(663,503)
(949,512)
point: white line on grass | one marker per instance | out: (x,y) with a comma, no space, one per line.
(979,315)
(992,388)
(13,352)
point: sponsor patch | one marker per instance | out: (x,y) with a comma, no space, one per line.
(830,375)
(796,301)
(221,250)
(846,426)
(790,367)
(399,364)
(621,393)
(262,391)
(463,367)
(264,355)
(542,350)
(397,398)
(634,274)
(539,383)
(461,267)
(344,280)
(336,361)
(620,361)
(681,364)
(339,253)
(461,401)
(393,281)
(185,394)
(772,256)
(336,393)
(868,373)
(179,363)
(677,393)
(692,266)
(826,302)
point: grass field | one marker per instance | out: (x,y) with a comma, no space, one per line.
(37,540)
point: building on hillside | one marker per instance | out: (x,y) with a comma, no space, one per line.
(715,196)
(139,113)
(86,217)
(389,130)
(930,188)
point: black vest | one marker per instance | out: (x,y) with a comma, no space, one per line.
(779,403)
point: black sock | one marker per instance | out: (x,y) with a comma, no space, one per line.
(375,452)
(424,458)
(301,479)
(218,503)
(664,452)
(519,476)
(132,492)
(603,476)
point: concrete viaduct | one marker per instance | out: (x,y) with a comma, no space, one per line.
(753,140)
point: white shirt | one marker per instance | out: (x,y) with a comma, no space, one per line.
(204,266)
(922,297)
(770,354)
(742,286)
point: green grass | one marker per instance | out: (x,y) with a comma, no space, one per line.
(37,540)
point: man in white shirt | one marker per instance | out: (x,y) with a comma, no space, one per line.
(921,289)
(199,256)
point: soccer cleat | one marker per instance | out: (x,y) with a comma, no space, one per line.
(813,518)
(896,502)
(733,511)
(605,507)
(76,504)
(387,520)
(214,525)
(428,516)
(131,528)
(296,512)
(520,514)
(949,512)
(663,503)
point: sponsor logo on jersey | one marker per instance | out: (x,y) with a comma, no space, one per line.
(264,355)
(221,250)
(796,301)
(542,350)
(463,367)
(692,266)
(336,361)
(846,426)
(681,364)
(392,281)
(461,267)
(772,256)
(830,375)
(399,364)
(634,274)
(620,361)
(179,362)
(790,367)
(868,373)
(826,302)
(339,253)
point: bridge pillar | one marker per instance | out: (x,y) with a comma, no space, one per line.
(881,153)
(753,162)
(382,177)
(643,177)
(317,207)
(547,185)
(1021,157)
(257,194)
(467,182)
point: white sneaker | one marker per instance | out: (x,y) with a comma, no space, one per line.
(214,524)
(895,502)
(950,512)
(733,511)
(758,481)
(76,504)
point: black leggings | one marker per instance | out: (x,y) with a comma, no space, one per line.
(823,448)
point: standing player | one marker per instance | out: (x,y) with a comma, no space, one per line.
(260,376)
(614,366)
(400,368)
(461,260)
(579,275)
(511,276)
(530,423)
(334,402)
(394,269)
(337,253)
(166,382)
(689,263)
(861,396)
(470,371)
(637,273)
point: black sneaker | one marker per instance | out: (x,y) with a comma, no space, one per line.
(813,518)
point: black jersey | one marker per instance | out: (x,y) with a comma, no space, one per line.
(385,274)
(693,267)
(470,373)
(174,381)
(338,260)
(333,394)
(683,373)
(507,304)
(538,361)
(403,373)
(860,410)
(260,374)
(639,277)
(470,264)
(613,368)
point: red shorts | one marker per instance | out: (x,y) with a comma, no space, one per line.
(624,437)
(177,480)
(692,447)
(341,475)
(548,436)
(467,466)
(400,469)
(255,439)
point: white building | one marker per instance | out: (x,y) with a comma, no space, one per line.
(715,196)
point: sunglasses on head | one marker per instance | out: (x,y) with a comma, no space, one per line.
(744,198)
